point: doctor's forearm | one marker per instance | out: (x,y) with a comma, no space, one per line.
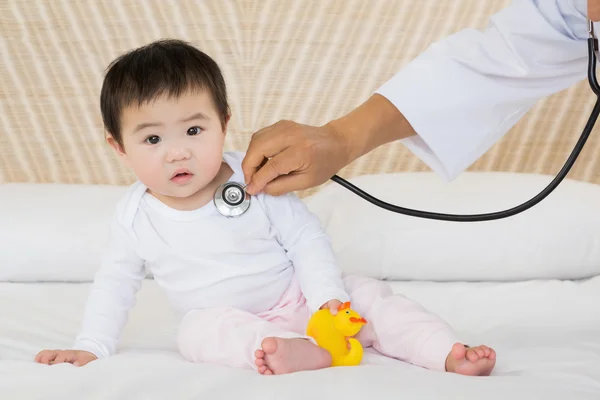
(374,123)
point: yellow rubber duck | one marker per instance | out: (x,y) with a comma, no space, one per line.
(333,333)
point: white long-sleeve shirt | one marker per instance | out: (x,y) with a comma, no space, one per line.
(203,259)
(466,91)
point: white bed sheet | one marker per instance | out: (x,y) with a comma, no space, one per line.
(546,333)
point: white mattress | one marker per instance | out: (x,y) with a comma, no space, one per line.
(546,337)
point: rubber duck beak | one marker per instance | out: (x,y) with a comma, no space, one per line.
(358,320)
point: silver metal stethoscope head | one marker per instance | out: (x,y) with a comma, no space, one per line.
(231,199)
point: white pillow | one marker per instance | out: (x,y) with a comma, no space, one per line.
(54,232)
(557,239)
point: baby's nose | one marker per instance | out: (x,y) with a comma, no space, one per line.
(178,154)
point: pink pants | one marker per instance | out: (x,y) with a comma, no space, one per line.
(397,327)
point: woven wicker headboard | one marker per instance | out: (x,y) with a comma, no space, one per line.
(309,60)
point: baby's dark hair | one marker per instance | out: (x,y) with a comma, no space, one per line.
(166,67)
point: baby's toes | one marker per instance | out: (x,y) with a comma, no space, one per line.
(472,355)
(486,351)
(480,352)
(259,354)
(259,362)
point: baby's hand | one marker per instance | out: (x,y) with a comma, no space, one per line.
(76,357)
(333,306)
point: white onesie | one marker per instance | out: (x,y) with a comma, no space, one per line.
(203,259)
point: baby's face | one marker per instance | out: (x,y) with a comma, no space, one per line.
(174,145)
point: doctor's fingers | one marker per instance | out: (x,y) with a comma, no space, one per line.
(285,172)
(288,183)
(303,156)
(257,153)
(273,140)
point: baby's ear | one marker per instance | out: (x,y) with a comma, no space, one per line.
(115,146)
(120,150)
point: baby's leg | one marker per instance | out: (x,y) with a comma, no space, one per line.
(400,328)
(231,337)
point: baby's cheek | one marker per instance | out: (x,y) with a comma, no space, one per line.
(149,172)
(210,161)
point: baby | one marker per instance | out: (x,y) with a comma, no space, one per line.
(244,287)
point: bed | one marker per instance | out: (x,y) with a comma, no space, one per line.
(531,295)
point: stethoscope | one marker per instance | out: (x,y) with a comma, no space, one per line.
(232,200)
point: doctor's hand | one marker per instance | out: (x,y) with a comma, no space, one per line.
(288,156)
(76,357)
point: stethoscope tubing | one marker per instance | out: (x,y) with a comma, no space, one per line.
(229,209)
(592,49)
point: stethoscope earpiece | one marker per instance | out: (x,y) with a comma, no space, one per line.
(231,199)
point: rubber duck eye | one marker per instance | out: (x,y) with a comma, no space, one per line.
(347,312)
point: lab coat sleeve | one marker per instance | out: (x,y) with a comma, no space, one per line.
(466,91)
(309,248)
(112,295)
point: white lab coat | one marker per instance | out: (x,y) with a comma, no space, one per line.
(466,91)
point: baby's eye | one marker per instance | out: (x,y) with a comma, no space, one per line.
(152,139)
(194,130)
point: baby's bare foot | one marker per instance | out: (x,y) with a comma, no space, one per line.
(472,361)
(282,356)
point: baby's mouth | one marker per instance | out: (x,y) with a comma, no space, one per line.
(181,175)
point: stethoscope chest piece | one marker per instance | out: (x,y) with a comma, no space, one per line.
(231,199)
